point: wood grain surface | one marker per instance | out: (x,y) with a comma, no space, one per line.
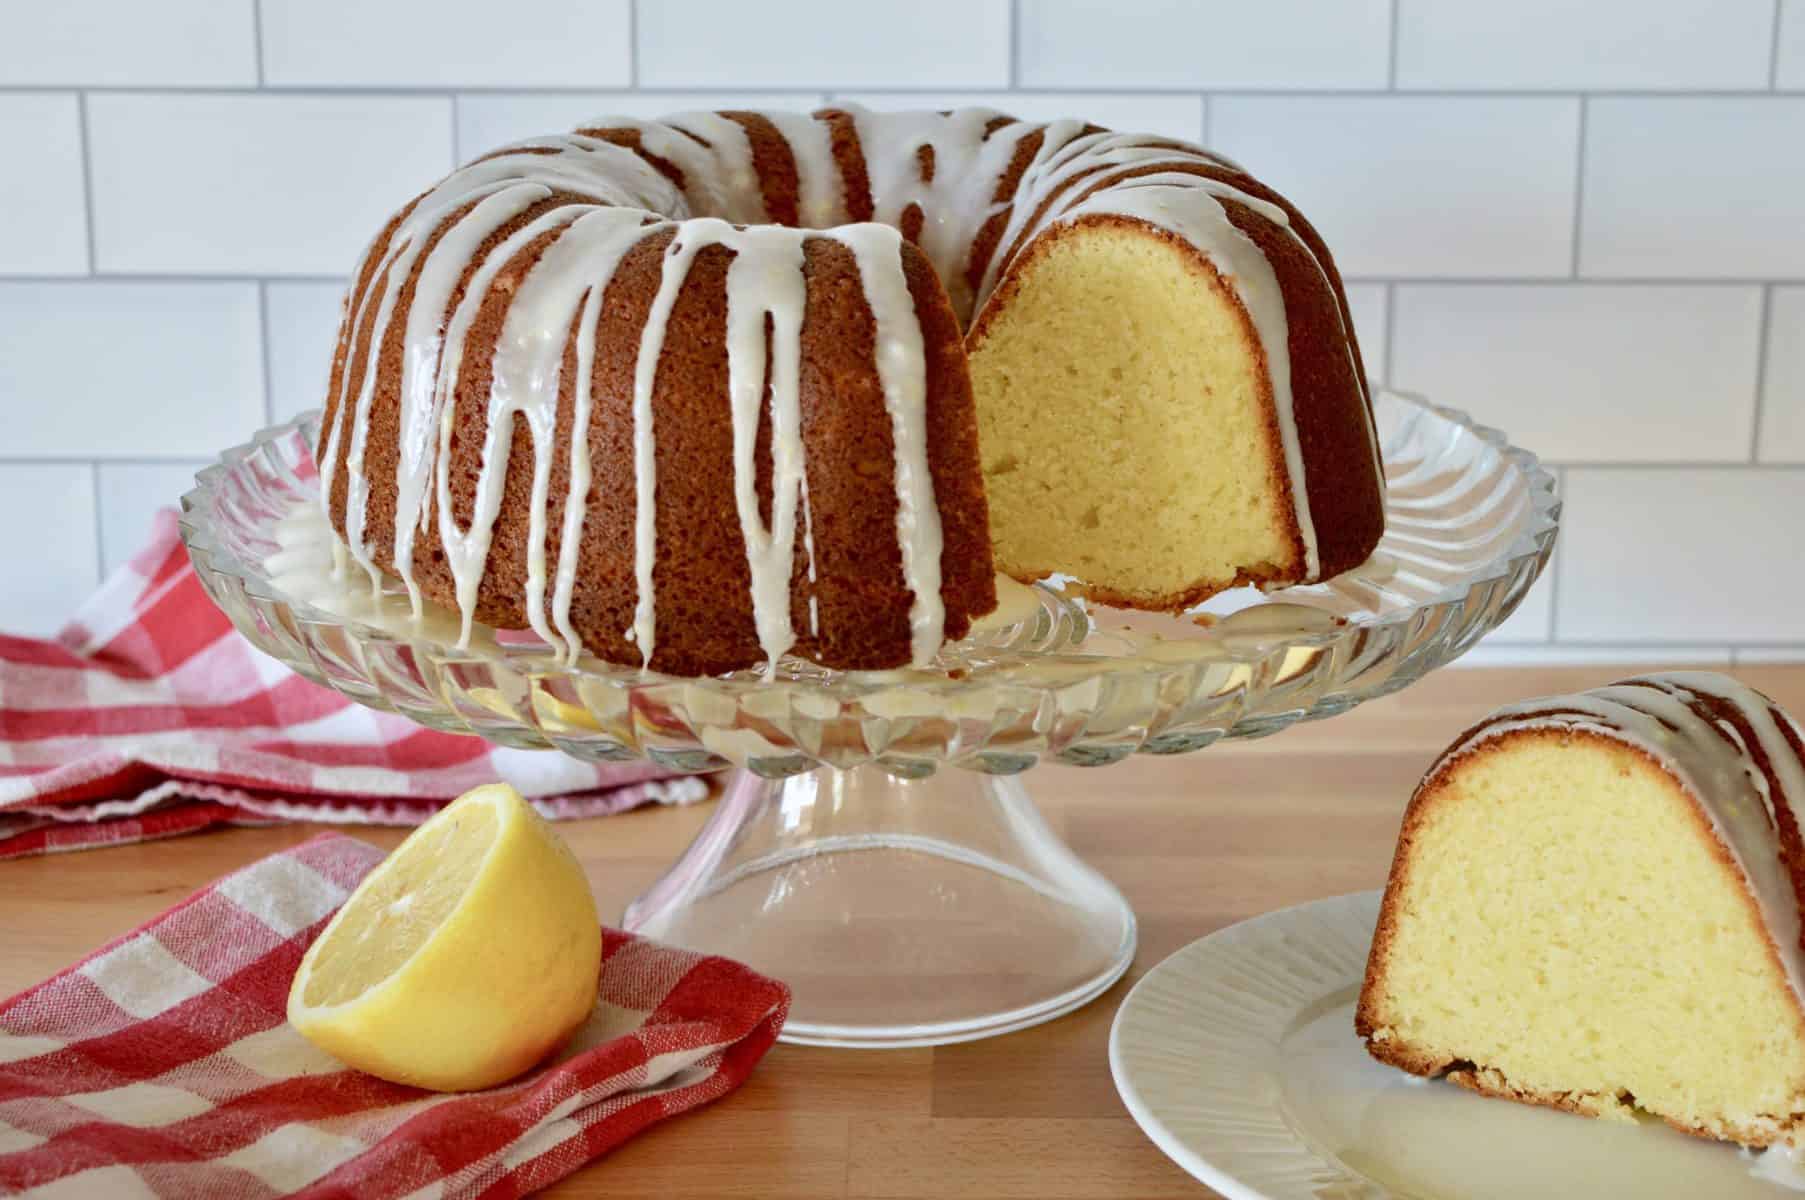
(1196,843)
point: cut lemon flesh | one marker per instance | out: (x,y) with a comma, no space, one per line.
(463,959)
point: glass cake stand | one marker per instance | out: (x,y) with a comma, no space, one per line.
(904,904)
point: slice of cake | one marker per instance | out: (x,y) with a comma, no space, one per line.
(1595,906)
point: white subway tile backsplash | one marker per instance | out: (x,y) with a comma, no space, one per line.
(171,43)
(1418,185)
(246,185)
(55,545)
(1367,302)
(1590,373)
(458,43)
(1700,187)
(45,230)
(823,43)
(1665,45)
(98,369)
(131,494)
(486,121)
(1206,44)
(1531,230)
(1176,116)
(1783,383)
(1691,555)
(302,322)
(1789,55)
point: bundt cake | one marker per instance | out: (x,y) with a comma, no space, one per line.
(698,393)
(1595,905)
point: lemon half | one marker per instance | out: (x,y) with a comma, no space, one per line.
(462,960)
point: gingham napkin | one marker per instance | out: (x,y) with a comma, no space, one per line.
(149,716)
(162,1067)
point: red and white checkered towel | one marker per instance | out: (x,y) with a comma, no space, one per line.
(162,1065)
(150,716)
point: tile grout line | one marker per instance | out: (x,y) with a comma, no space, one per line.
(633,44)
(1015,43)
(1579,186)
(1658,281)
(100,529)
(1773,49)
(1635,644)
(1489,653)
(87,180)
(71,460)
(1391,66)
(1640,644)
(269,391)
(1250,93)
(1764,338)
(257,38)
(1447,281)
(1671,464)
(159,277)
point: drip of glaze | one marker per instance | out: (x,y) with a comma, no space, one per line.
(569,278)
(820,197)
(1662,715)
(901,370)
(691,236)
(420,355)
(957,200)
(808,549)
(467,550)
(494,190)
(766,279)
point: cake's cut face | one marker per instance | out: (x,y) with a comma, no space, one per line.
(695,394)
(1160,477)
(1592,908)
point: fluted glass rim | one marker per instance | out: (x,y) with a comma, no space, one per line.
(1245,675)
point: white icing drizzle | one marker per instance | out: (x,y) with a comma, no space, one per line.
(901,370)
(608,199)
(1663,716)
(766,280)
(678,254)
(573,272)
(467,550)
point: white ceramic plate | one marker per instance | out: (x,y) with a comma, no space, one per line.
(1237,1056)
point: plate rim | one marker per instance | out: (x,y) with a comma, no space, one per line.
(1149,1123)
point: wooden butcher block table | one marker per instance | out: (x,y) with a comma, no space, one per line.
(1196,842)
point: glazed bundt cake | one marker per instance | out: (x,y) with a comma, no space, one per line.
(1595,905)
(697,393)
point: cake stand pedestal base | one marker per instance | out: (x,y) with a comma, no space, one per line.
(900,912)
